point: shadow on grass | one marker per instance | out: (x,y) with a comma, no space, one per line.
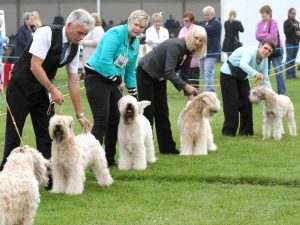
(265,181)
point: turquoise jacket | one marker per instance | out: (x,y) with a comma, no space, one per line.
(113,44)
(245,58)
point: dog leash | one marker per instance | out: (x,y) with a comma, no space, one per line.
(13,119)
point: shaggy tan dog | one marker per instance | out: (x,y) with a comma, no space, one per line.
(134,135)
(195,132)
(71,155)
(275,109)
(22,174)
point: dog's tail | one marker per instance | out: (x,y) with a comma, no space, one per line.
(142,105)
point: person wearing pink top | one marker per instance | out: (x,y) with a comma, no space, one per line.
(268,28)
(188,21)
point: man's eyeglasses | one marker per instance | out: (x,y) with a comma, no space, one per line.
(267,49)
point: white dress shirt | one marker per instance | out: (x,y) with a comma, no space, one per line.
(41,44)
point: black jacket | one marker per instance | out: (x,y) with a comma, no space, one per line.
(167,60)
(290,32)
(232,30)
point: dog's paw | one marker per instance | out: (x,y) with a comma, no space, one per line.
(213,147)
(152,160)
(107,181)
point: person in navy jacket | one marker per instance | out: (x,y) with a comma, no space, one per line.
(213,29)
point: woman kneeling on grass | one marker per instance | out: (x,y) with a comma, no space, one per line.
(160,65)
(243,63)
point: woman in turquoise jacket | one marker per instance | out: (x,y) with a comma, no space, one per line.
(108,71)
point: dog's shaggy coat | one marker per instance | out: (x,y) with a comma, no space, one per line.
(195,131)
(25,170)
(275,109)
(134,135)
(71,155)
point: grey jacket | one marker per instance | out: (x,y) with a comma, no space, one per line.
(167,60)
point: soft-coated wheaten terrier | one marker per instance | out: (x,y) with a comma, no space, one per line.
(71,155)
(134,135)
(195,132)
(275,109)
(25,170)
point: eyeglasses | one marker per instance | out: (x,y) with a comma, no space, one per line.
(267,49)
(186,21)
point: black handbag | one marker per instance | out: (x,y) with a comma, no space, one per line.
(236,71)
(237,43)
(278,51)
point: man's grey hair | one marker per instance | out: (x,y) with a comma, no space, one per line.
(209,9)
(27,15)
(81,17)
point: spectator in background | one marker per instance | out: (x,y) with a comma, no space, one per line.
(268,28)
(3,40)
(232,29)
(37,22)
(24,33)
(213,29)
(91,40)
(110,68)
(58,20)
(110,24)
(194,75)
(160,65)
(251,62)
(156,34)
(292,38)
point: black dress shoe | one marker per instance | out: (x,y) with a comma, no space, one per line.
(111,164)
(173,152)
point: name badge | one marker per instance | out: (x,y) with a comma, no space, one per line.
(121,61)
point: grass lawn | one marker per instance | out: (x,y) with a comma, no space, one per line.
(246,181)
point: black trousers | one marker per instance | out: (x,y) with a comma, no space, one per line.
(156,92)
(236,106)
(21,105)
(103,97)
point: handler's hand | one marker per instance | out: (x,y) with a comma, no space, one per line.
(190,89)
(259,76)
(85,124)
(121,86)
(1,87)
(57,96)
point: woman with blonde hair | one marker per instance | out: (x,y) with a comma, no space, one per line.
(156,34)
(108,71)
(37,22)
(162,64)
(232,29)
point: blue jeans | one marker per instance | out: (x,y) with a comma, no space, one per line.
(207,69)
(291,54)
(276,61)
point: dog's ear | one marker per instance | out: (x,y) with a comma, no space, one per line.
(142,105)
(206,100)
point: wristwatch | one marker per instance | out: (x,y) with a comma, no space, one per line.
(80,115)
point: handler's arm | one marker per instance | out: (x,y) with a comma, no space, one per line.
(74,89)
(40,74)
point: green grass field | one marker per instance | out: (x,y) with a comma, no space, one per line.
(246,181)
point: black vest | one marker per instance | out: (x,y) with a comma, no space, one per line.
(21,72)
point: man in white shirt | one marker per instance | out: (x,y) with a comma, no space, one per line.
(30,85)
